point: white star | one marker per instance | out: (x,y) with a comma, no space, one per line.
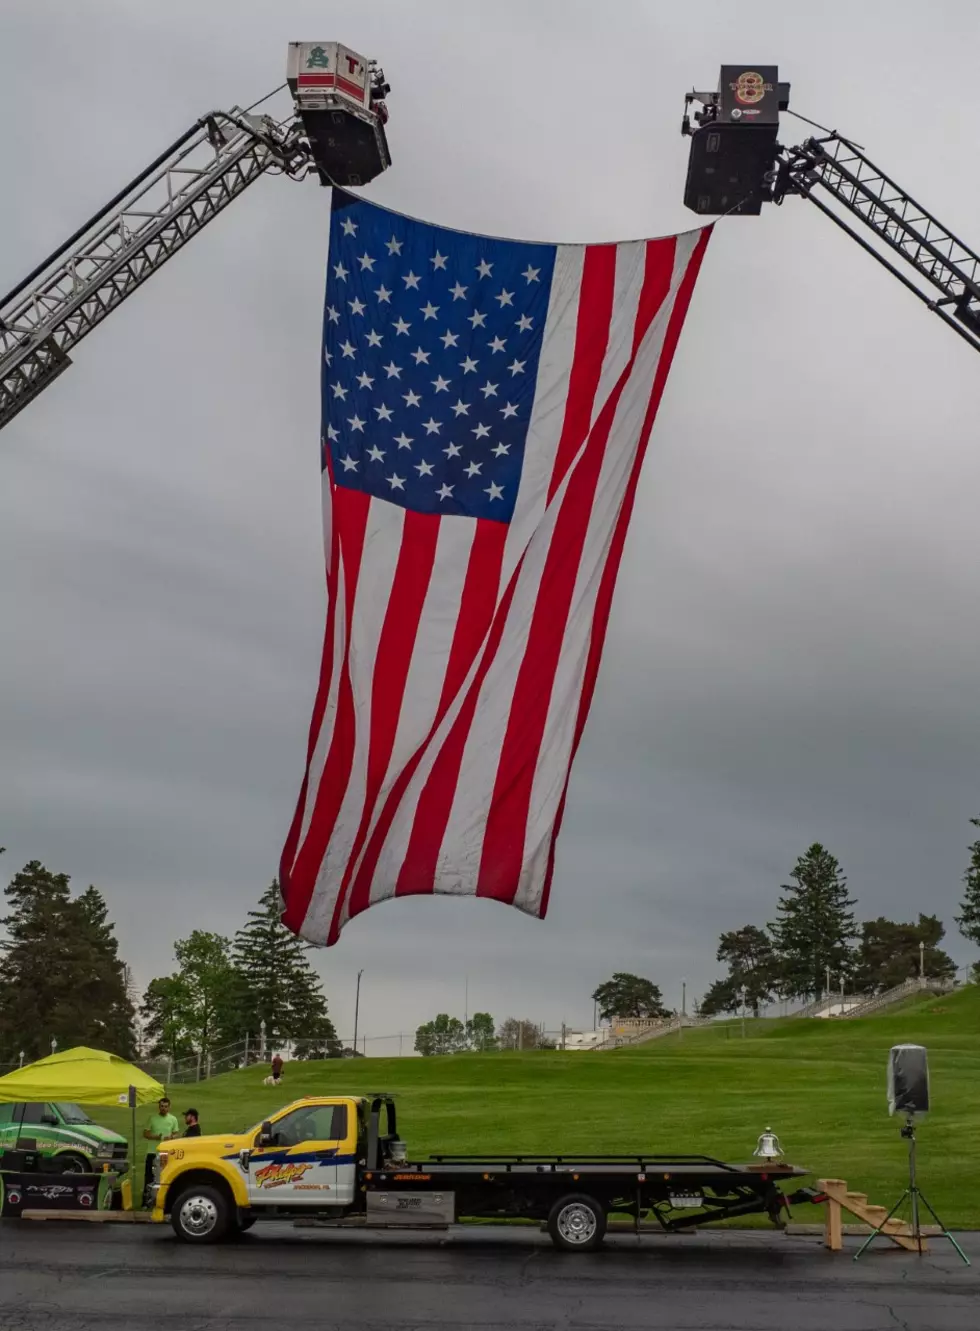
(517,366)
(449,339)
(495,491)
(340,272)
(498,344)
(400,326)
(445,492)
(440,384)
(524,323)
(332,434)
(375,453)
(482,431)
(412,399)
(425,468)
(355,422)
(505,298)
(396,482)
(364,379)
(411,281)
(356,306)
(384,413)
(420,357)
(403,440)
(501,450)
(374,339)
(395,246)
(483,268)
(477,319)
(349,227)
(430,311)
(392,370)
(530,274)
(432,426)
(327,356)
(458,292)
(438,261)
(348,350)
(339,391)
(468,365)
(508,411)
(383,294)
(461,408)
(333,315)
(473,469)
(366,262)
(489,389)
(453,451)
(349,463)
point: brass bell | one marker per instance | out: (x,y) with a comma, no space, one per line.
(768,1147)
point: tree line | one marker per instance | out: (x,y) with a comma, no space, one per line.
(63,983)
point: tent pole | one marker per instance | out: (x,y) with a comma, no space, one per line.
(132,1156)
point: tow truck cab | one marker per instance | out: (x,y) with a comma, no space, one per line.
(337,1161)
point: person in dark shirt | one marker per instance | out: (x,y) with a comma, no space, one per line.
(193,1121)
(277,1067)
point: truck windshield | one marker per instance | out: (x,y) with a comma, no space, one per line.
(73,1113)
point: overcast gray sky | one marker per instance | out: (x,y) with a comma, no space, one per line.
(794,646)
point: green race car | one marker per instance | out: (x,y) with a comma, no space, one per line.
(64,1132)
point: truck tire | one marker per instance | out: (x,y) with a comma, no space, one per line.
(577,1223)
(71,1162)
(201,1214)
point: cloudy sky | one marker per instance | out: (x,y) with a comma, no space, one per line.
(793,654)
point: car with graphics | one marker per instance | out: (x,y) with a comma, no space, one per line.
(62,1131)
(337,1161)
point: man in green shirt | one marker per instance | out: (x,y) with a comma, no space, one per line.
(161,1127)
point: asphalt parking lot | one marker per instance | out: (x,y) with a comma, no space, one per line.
(88,1277)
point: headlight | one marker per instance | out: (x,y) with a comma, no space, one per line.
(105,1151)
(160,1164)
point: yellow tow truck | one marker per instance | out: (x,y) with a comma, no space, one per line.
(338,1162)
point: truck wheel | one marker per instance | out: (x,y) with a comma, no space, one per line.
(201,1215)
(73,1163)
(577,1223)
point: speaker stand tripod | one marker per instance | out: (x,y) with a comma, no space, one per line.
(913,1194)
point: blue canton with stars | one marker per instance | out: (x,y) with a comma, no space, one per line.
(431,342)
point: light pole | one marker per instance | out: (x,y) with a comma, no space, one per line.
(54,1044)
(842,993)
(826,992)
(922,961)
(680,1028)
(357,1005)
(743,991)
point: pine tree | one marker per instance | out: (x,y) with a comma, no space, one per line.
(275,983)
(969,919)
(60,975)
(816,925)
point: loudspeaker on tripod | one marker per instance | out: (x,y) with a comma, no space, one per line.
(908,1079)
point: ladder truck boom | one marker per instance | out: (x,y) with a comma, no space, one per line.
(336,135)
(736,164)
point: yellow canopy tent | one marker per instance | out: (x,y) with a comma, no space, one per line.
(83,1076)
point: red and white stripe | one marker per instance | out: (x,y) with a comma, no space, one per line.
(461,656)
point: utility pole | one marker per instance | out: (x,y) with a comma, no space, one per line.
(357,1006)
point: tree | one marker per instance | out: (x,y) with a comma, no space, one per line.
(164,1016)
(481,1033)
(275,983)
(193,1009)
(444,1035)
(751,963)
(628,995)
(968,921)
(815,925)
(522,1034)
(889,953)
(60,974)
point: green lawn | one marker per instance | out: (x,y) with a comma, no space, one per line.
(820,1084)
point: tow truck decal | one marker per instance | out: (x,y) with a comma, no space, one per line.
(279,1172)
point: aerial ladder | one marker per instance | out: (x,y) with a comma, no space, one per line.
(335,134)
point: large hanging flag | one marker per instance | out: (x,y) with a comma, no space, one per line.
(486,407)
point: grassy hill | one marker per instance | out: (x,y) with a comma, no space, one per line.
(819,1084)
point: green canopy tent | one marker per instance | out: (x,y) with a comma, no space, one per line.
(86,1077)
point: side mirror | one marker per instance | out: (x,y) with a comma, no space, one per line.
(50,1120)
(244,1156)
(265,1134)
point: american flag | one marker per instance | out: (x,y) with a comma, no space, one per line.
(486,407)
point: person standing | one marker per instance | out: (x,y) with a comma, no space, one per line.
(162,1126)
(192,1119)
(276,1068)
